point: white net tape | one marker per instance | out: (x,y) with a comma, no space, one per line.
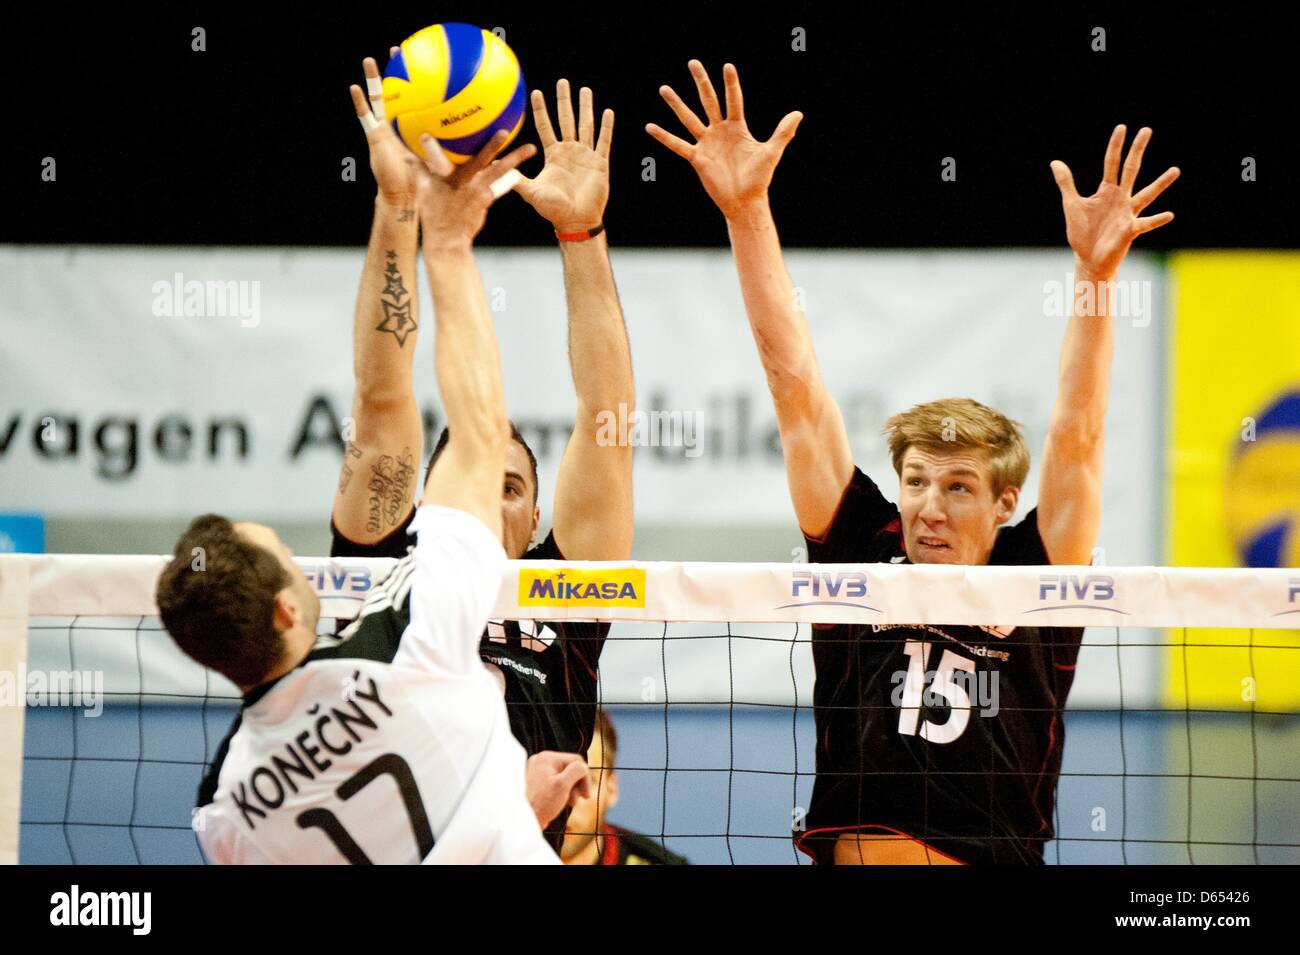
(714,659)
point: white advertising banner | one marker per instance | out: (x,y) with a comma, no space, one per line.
(166,382)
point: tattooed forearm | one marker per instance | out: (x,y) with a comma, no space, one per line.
(398,320)
(346,478)
(391,483)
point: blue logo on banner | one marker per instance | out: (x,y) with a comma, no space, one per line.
(22,534)
(832,588)
(1089,591)
(340,580)
(1292,592)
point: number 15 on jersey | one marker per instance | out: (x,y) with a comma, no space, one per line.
(942,684)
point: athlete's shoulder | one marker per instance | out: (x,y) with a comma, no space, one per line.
(546,550)
(394,544)
(1020,543)
(377,629)
(638,849)
(865,526)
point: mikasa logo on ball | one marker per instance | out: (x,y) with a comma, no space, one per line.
(459,84)
(456,118)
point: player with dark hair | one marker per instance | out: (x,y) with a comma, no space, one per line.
(391,746)
(548,671)
(905,776)
(589,838)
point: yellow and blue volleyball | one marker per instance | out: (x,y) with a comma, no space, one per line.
(458,83)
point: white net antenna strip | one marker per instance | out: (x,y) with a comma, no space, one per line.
(14,600)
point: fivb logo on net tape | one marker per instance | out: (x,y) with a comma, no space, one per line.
(348,581)
(856,590)
(1292,597)
(343,587)
(822,588)
(1077,592)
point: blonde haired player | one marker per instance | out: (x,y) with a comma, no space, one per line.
(393,745)
(899,779)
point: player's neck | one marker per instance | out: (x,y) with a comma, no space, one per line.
(589,854)
(297,646)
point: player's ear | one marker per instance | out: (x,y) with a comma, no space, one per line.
(285,611)
(1006,503)
(537,516)
(609,790)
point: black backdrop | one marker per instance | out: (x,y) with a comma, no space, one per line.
(242,144)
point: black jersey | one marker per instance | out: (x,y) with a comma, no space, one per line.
(549,667)
(950,735)
(625,847)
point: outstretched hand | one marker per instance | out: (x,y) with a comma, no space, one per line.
(453,200)
(391,162)
(1101,227)
(734,167)
(571,190)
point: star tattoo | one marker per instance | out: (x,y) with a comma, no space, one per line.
(398,322)
(394,286)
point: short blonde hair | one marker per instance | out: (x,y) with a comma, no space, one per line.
(960,424)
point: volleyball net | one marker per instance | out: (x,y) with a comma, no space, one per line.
(1180,732)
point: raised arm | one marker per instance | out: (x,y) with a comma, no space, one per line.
(736,170)
(382,446)
(593,493)
(1100,228)
(453,207)
(457,561)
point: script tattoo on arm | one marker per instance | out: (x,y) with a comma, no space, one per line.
(396,301)
(391,482)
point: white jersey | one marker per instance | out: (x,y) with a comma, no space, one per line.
(392,746)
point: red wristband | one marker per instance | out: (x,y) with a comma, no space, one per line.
(580,236)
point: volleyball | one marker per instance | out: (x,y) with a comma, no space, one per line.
(458,83)
(1262,477)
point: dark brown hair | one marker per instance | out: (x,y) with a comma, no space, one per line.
(216,599)
(514,434)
